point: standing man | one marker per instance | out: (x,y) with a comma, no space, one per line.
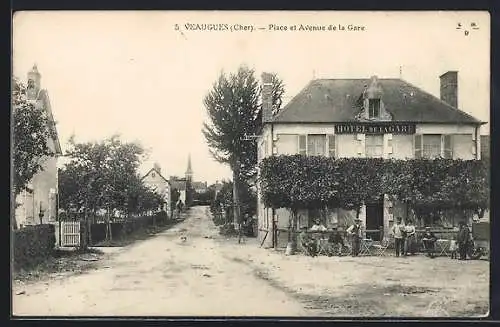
(462,240)
(356,235)
(398,232)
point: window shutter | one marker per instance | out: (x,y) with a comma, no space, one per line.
(332,146)
(389,144)
(302,144)
(448,146)
(418,138)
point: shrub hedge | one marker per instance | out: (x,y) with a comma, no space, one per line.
(120,229)
(297,181)
(33,244)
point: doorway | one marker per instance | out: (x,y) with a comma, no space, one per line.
(375,220)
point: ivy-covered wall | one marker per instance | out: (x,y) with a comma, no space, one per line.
(437,192)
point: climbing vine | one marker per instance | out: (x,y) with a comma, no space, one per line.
(426,185)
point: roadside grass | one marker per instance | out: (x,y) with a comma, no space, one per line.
(62,262)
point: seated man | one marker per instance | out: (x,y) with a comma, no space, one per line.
(429,241)
(318,227)
(308,243)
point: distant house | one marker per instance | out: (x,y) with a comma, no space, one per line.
(155,180)
(41,200)
(200,187)
(485,147)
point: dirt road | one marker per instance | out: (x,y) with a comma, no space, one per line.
(163,276)
(209,275)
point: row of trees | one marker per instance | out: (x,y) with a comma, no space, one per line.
(103,177)
(235,116)
(426,186)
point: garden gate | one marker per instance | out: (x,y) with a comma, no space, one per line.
(70,233)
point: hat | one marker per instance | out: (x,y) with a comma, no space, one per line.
(357,219)
(427,227)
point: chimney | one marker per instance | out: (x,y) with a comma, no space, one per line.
(449,88)
(34,83)
(267,103)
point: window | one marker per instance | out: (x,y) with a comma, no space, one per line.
(431,146)
(316,145)
(374,146)
(153,174)
(373,108)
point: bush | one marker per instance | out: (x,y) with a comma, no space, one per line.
(127,227)
(33,244)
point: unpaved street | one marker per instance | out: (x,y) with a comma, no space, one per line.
(163,276)
(213,276)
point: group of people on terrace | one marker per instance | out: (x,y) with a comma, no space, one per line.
(403,238)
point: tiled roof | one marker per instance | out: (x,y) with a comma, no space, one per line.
(44,97)
(159,174)
(334,100)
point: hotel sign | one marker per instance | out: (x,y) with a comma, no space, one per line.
(374,128)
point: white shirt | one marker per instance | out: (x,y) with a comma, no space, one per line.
(317,228)
(397,230)
(410,230)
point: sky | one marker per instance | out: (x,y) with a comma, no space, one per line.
(143,74)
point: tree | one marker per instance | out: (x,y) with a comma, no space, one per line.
(278,90)
(101,175)
(234,111)
(32,130)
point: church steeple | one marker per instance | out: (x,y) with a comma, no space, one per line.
(189,170)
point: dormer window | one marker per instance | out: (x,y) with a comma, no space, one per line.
(373,108)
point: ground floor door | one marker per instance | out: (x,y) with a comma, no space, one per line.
(375,220)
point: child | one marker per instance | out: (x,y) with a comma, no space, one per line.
(453,248)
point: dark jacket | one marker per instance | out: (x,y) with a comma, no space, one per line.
(463,235)
(429,236)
